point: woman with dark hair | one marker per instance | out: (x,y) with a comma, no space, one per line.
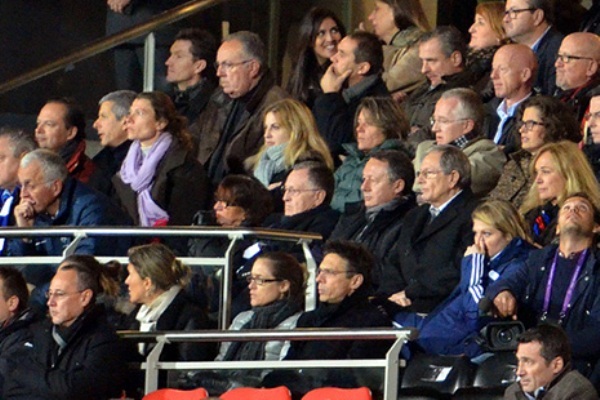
(400,25)
(320,32)
(380,124)
(156,281)
(542,120)
(160,181)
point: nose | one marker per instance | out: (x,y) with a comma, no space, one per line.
(472,28)
(425,67)
(286,196)
(505,19)
(168,61)
(327,36)
(364,186)
(220,70)
(319,278)
(96,122)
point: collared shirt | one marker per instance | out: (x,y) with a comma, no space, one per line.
(435,211)
(462,141)
(505,114)
(535,46)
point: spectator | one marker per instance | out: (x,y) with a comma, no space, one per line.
(559,169)
(159,183)
(380,125)
(542,120)
(424,266)
(501,246)
(111,127)
(190,69)
(354,73)
(376,222)
(539,291)
(443,54)
(457,121)
(544,367)
(290,135)
(50,198)
(15,317)
(514,70)
(399,24)
(61,129)
(230,128)
(592,147)
(14,144)
(487,35)
(319,35)
(577,70)
(529,22)
(76,354)
(155,282)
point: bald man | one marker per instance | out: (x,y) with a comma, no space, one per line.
(577,76)
(514,70)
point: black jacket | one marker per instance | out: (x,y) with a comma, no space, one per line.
(108,162)
(89,367)
(12,337)
(426,260)
(545,82)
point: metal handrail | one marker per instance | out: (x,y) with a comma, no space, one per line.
(391,363)
(100,45)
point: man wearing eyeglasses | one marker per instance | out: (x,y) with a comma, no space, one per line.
(230,129)
(529,22)
(577,66)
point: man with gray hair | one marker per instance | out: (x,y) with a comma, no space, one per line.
(14,144)
(230,128)
(457,121)
(424,266)
(110,124)
(50,198)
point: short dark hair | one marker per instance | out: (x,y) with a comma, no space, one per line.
(368,49)
(13,284)
(74,115)
(547,6)
(552,338)
(559,120)
(586,196)
(358,258)
(450,38)
(399,167)
(90,273)
(320,176)
(203,47)
(248,193)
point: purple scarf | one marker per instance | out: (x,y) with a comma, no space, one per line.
(138,172)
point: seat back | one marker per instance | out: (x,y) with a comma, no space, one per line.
(331,393)
(445,374)
(500,370)
(479,394)
(246,393)
(176,394)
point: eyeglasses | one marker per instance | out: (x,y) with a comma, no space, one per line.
(429,173)
(442,121)
(565,58)
(228,66)
(329,272)
(59,294)
(589,116)
(293,192)
(513,13)
(529,124)
(260,281)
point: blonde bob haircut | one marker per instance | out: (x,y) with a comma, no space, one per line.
(305,140)
(502,215)
(573,166)
(158,263)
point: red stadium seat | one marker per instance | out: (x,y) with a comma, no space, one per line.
(246,393)
(331,393)
(176,394)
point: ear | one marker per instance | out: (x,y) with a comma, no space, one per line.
(398,186)
(456,58)
(199,66)
(363,68)
(56,187)
(161,124)
(320,196)
(557,365)
(454,178)
(526,74)
(71,133)
(592,69)
(13,304)
(469,125)
(538,17)
(284,287)
(356,281)
(254,68)
(86,297)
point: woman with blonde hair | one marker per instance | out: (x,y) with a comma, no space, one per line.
(156,282)
(501,245)
(559,169)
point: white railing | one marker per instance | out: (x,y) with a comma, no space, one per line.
(391,362)
(225,262)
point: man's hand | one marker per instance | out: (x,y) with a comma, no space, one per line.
(24,214)
(506,304)
(117,5)
(332,82)
(400,299)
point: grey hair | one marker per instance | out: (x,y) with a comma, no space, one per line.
(453,159)
(122,100)
(450,38)
(52,165)
(252,44)
(469,106)
(19,141)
